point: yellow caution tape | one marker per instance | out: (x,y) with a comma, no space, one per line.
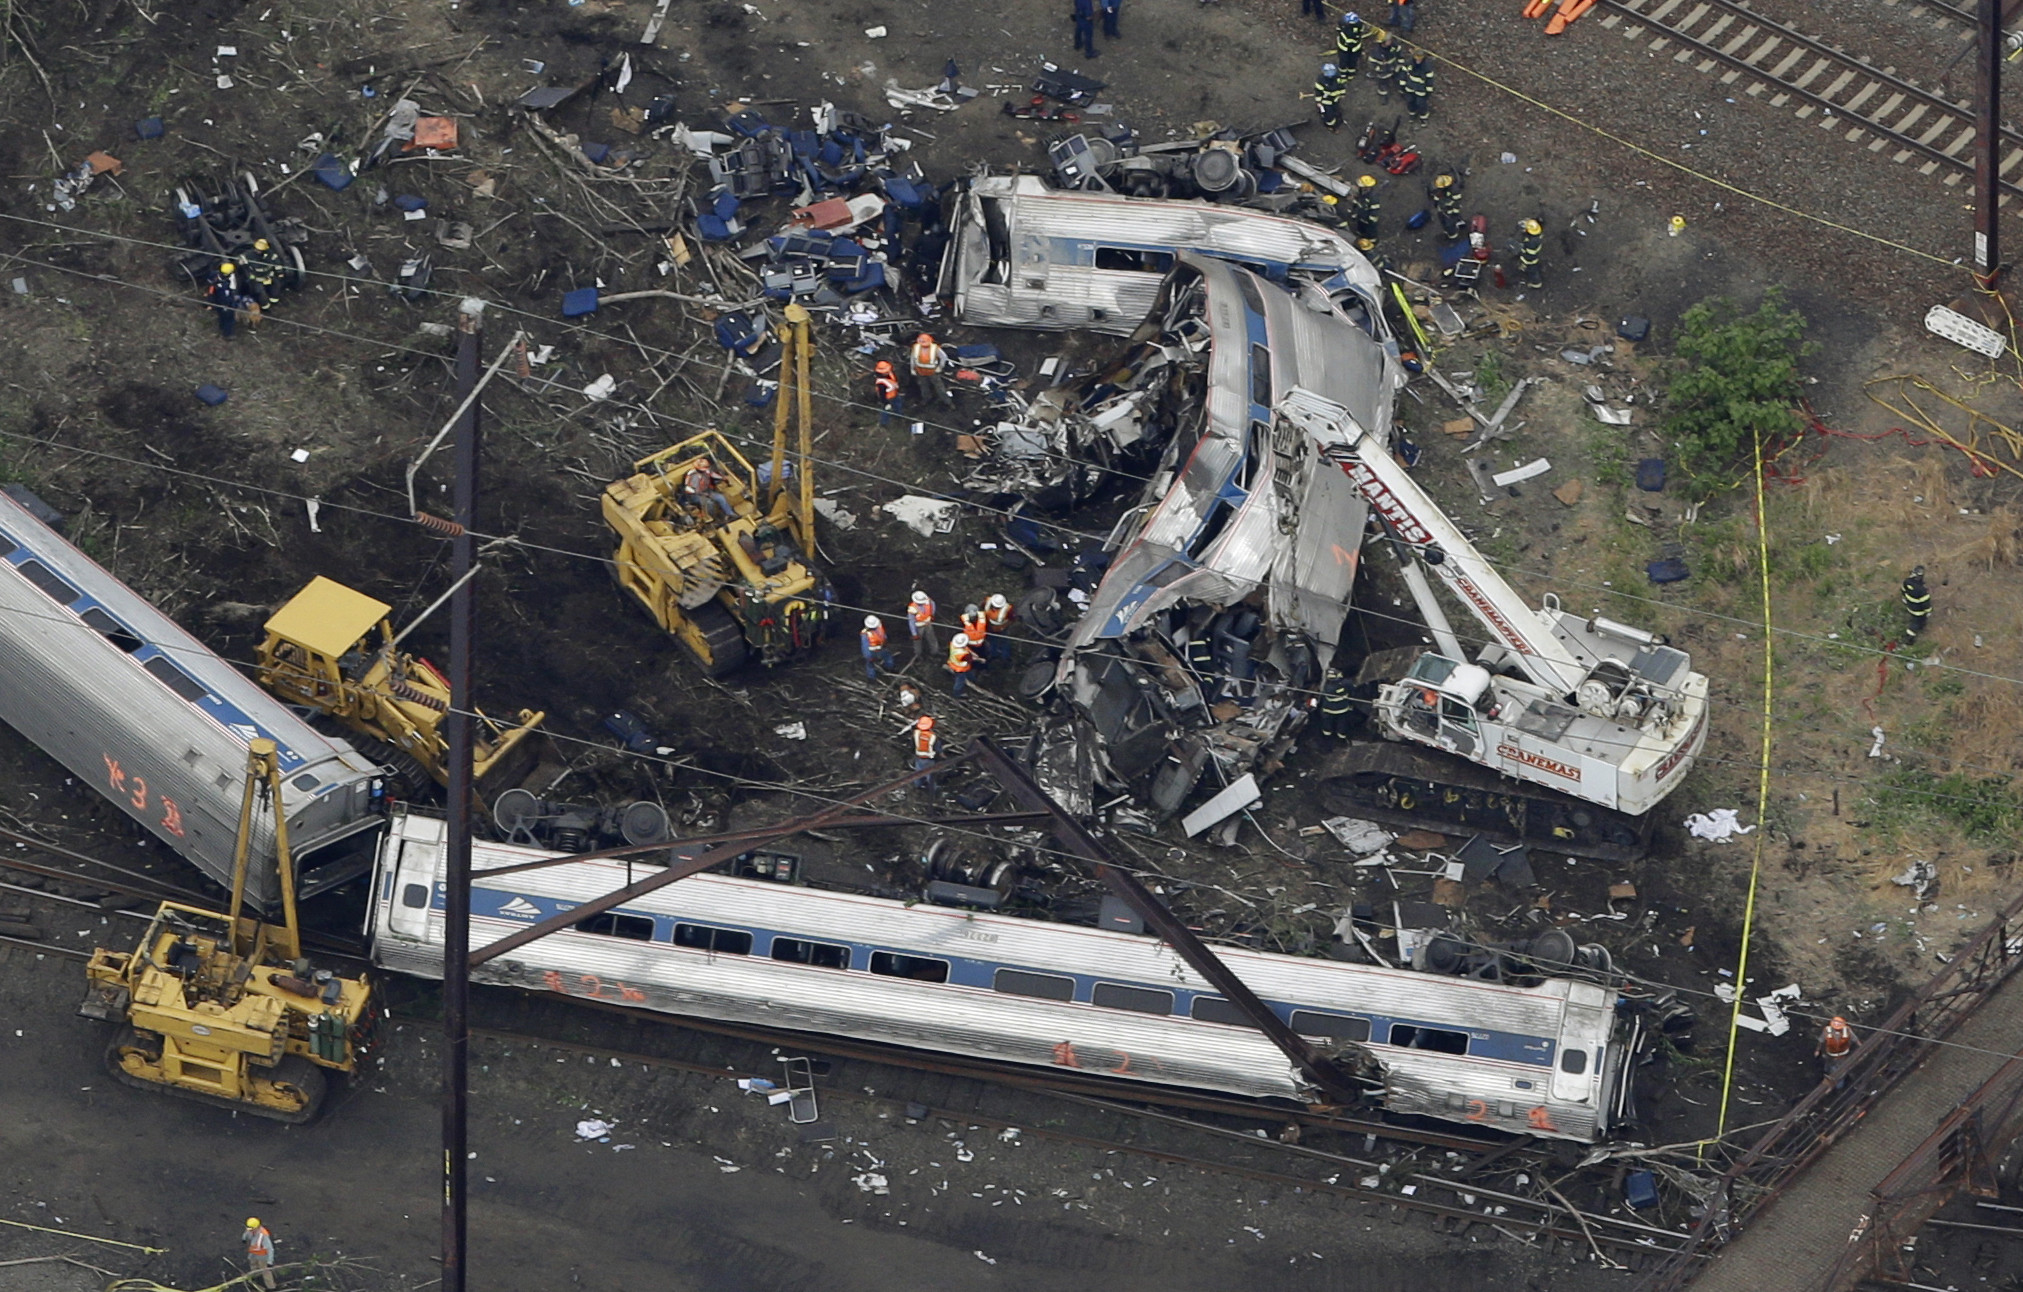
(89,1238)
(1762,795)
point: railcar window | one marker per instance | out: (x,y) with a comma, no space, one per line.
(701,937)
(1573,1061)
(8,546)
(1429,1038)
(305,782)
(1214,1009)
(49,581)
(918,968)
(1151,262)
(1046,986)
(1337,1027)
(637,927)
(1138,1000)
(824,955)
(1260,376)
(112,630)
(414,896)
(175,679)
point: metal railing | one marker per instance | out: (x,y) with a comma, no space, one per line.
(1839,1102)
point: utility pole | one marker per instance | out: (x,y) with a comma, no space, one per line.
(1988,149)
(457,898)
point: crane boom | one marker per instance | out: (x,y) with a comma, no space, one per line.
(1593,708)
(1438,541)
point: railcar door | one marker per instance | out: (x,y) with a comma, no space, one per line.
(1575,1069)
(412,865)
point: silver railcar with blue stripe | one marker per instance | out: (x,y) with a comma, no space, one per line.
(1551,1060)
(149,716)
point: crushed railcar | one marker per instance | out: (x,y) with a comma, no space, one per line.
(1228,584)
(149,716)
(1555,1058)
(1024,255)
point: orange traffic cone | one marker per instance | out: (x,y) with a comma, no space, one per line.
(1536,8)
(1569,10)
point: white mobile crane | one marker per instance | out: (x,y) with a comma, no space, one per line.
(1593,708)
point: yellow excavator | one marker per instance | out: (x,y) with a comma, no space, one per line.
(333,650)
(223,1008)
(719,556)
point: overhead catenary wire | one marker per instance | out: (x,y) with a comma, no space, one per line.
(1558,578)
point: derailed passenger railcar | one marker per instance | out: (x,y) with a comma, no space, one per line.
(1552,1060)
(1229,583)
(137,708)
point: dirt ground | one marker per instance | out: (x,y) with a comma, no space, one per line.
(202,510)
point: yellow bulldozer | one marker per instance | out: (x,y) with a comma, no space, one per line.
(223,1008)
(333,650)
(720,557)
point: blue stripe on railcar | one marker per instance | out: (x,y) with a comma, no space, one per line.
(221,711)
(981,975)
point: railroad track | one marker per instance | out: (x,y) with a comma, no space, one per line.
(1865,104)
(1456,1205)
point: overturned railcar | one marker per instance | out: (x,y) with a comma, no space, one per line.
(1022,254)
(137,708)
(1229,583)
(1556,1059)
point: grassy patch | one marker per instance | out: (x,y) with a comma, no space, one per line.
(1981,808)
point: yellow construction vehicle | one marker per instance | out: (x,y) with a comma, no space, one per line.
(719,557)
(223,1008)
(320,652)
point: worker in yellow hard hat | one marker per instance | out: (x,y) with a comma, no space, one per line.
(221,290)
(1364,214)
(259,1250)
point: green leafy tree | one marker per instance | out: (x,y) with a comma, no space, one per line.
(1737,379)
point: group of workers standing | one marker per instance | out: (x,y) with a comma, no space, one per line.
(248,285)
(1361,213)
(1392,66)
(981,641)
(928,363)
(1086,13)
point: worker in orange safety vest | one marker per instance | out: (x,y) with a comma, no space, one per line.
(928,361)
(960,660)
(1836,1043)
(926,749)
(886,383)
(977,629)
(997,617)
(871,643)
(920,619)
(259,1250)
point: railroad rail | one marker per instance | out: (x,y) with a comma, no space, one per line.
(1457,1204)
(1783,64)
(1896,1049)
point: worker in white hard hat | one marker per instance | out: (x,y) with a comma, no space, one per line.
(871,641)
(961,659)
(997,617)
(920,619)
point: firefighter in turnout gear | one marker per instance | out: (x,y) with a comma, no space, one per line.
(1337,706)
(1446,194)
(1387,58)
(1328,91)
(1349,40)
(1363,218)
(1415,83)
(1378,260)
(1917,602)
(1530,243)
